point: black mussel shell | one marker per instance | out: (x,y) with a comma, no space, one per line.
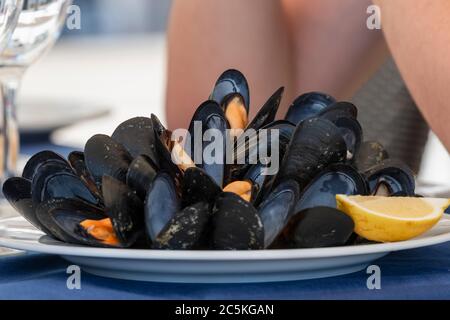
(18,193)
(50,168)
(370,154)
(163,139)
(39,159)
(198,186)
(229,82)
(343,115)
(140,175)
(307,106)
(186,230)
(267,113)
(341,109)
(393,175)
(256,175)
(161,204)
(66,185)
(158,127)
(277,208)
(105,156)
(236,224)
(138,137)
(336,179)
(315,144)
(258,149)
(125,210)
(78,163)
(62,218)
(317,228)
(208,116)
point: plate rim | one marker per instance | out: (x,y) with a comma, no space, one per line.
(65,249)
(219,255)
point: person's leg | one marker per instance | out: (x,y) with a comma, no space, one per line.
(208,37)
(334,51)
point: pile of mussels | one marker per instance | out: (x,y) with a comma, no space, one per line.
(125,191)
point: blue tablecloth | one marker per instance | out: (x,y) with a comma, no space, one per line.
(414,274)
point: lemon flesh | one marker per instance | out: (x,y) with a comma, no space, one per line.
(389,219)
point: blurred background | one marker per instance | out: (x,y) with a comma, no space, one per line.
(113,68)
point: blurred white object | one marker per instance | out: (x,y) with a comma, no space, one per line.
(434,175)
(126,73)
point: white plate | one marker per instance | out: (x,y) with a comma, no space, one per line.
(213,266)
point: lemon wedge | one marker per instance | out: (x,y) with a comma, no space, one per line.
(388,219)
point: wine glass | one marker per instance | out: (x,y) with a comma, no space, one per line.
(9,13)
(38,27)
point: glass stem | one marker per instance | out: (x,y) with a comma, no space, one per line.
(9,140)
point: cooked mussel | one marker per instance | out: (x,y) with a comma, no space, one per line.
(370,154)
(277,208)
(336,179)
(186,230)
(78,163)
(140,175)
(125,210)
(198,186)
(308,105)
(230,82)
(315,144)
(105,156)
(236,224)
(161,204)
(63,218)
(317,228)
(267,113)
(138,137)
(209,124)
(40,158)
(18,193)
(394,176)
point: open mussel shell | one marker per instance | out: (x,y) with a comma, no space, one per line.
(125,210)
(317,228)
(66,185)
(370,154)
(40,158)
(18,193)
(209,124)
(336,179)
(198,186)
(140,175)
(260,148)
(62,218)
(105,156)
(235,113)
(229,82)
(352,133)
(163,141)
(307,106)
(277,208)
(46,170)
(138,137)
(78,163)
(267,113)
(394,176)
(236,224)
(246,189)
(186,230)
(315,144)
(161,204)
(340,109)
